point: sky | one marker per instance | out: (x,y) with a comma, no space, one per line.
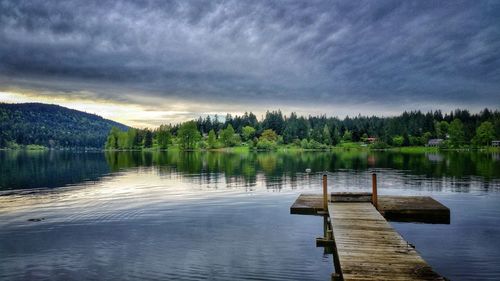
(146,63)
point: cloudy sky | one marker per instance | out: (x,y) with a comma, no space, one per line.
(149,62)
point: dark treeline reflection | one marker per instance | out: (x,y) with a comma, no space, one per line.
(34,169)
(24,169)
(276,166)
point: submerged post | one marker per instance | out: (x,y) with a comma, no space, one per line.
(374,191)
(325,193)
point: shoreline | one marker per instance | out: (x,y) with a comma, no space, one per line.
(246,149)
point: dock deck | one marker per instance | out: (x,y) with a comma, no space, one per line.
(368,248)
(393,208)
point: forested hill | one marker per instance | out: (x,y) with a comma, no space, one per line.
(52,126)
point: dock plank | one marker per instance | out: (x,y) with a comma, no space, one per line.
(307,204)
(413,209)
(368,248)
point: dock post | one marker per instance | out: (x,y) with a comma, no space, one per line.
(374,190)
(325,193)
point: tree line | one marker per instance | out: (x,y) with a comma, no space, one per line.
(457,129)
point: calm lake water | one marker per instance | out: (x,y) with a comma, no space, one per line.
(225,216)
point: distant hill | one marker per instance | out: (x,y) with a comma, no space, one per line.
(52,126)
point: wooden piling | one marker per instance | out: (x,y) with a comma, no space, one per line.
(374,191)
(325,193)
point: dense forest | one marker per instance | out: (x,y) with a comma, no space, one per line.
(457,129)
(52,126)
(59,127)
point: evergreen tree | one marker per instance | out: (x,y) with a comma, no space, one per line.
(138,139)
(406,139)
(148,139)
(327,139)
(317,134)
(293,128)
(274,121)
(497,128)
(335,136)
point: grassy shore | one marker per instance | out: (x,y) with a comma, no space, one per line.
(26,147)
(414,149)
(293,148)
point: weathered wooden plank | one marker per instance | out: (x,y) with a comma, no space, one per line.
(350,197)
(307,204)
(413,209)
(368,248)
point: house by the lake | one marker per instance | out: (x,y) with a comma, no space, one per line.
(434,142)
(370,140)
(495,143)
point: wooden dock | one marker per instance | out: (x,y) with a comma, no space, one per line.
(422,209)
(368,248)
(364,244)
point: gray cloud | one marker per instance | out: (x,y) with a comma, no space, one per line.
(388,54)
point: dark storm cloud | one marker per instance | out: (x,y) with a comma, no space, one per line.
(280,53)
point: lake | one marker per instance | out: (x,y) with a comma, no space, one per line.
(225,216)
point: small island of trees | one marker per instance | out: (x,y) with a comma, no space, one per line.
(455,130)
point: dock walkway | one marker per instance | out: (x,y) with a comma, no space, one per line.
(364,244)
(368,248)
